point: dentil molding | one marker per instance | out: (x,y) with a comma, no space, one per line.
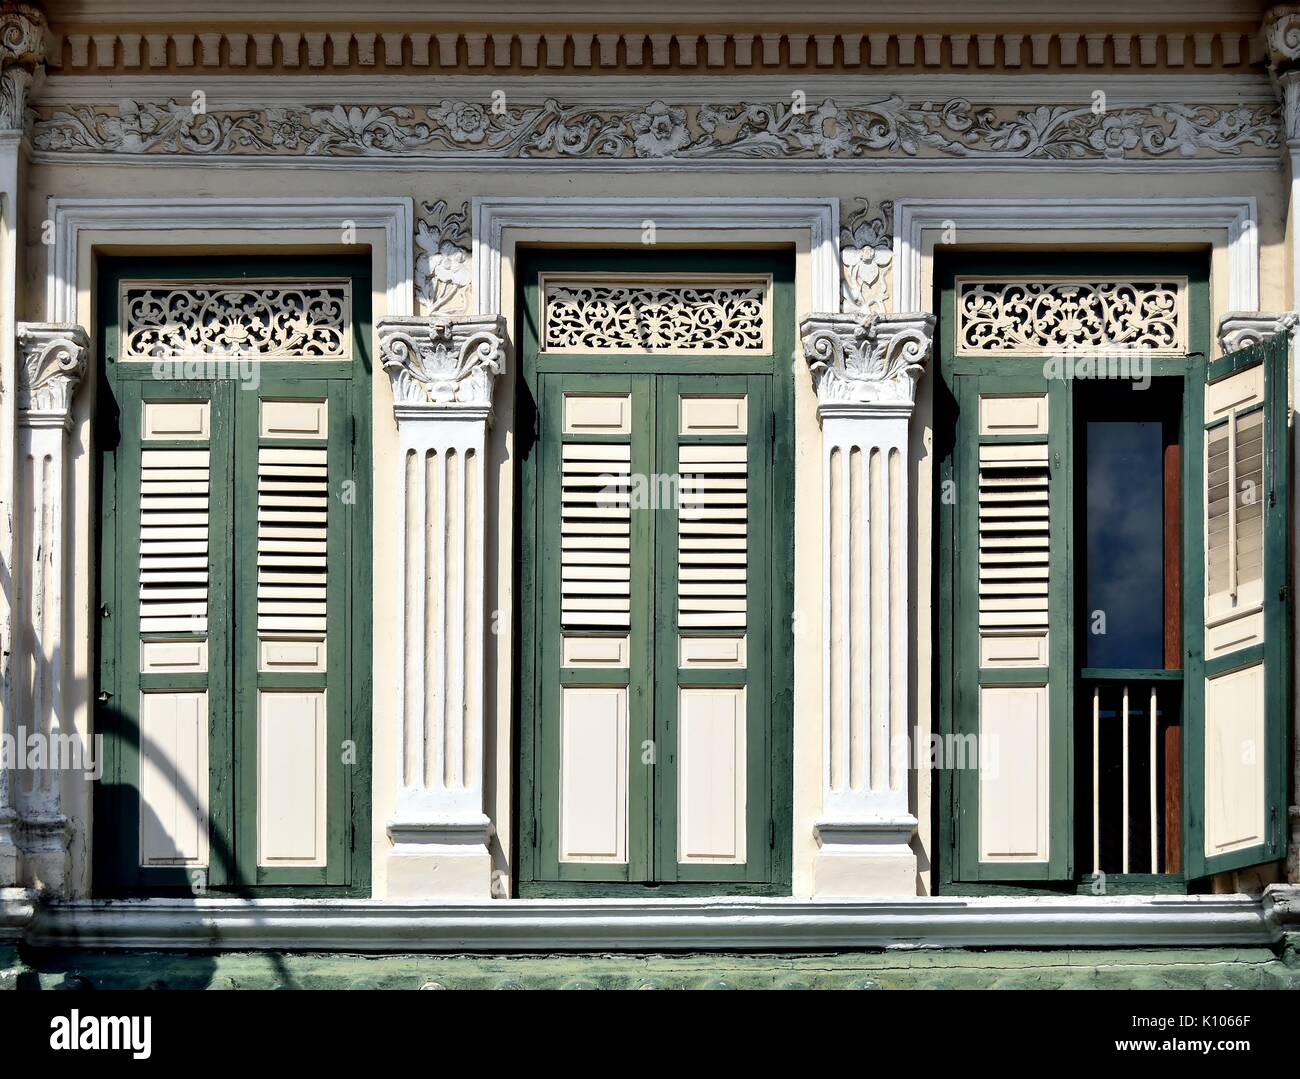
(872,363)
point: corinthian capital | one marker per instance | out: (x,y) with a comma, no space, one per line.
(53,361)
(1238,329)
(867,364)
(443,361)
(22,59)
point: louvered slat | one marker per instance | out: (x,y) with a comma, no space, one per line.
(713,537)
(174,490)
(595,535)
(292,521)
(1014,537)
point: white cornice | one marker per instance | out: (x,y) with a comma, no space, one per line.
(524,925)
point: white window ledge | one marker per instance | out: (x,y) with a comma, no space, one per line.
(742,924)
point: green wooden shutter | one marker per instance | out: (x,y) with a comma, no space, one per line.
(233,630)
(713,630)
(1237,749)
(1012,641)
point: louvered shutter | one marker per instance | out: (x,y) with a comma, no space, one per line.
(1012,639)
(1237,755)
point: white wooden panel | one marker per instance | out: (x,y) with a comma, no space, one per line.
(1236,391)
(1013,414)
(726,652)
(277,655)
(294,419)
(597,414)
(177,419)
(711,776)
(291,786)
(1235,758)
(1013,774)
(594,651)
(173,657)
(1234,635)
(593,774)
(714,414)
(174,779)
(1013,651)
(596,536)
(292,540)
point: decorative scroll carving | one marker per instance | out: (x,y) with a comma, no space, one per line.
(237,320)
(53,363)
(442,268)
(874,363)
(22,56)
(866,251)
(1034,317)
(443,361)
(688,317)
(656,131)
(1240,329)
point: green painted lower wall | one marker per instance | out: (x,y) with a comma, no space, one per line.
(1209,968)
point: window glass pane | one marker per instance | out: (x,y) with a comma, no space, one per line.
(1125,545)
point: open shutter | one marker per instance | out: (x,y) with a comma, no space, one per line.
(1237,750)
(1012,643)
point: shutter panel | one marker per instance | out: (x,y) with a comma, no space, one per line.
(713,541)
(292,530)
(174,523)
(1237,751)
(1011,626)
(595,534)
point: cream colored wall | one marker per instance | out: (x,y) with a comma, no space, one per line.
(876,184)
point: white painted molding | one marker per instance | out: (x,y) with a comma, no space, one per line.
(1235,217)
(1239,329)
(281,216)
(52,365)
(443,371)
(742,924)
(866,375)
(569,216)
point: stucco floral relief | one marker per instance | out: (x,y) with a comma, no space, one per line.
(668,132)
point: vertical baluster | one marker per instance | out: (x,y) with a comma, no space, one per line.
(1096,779)
(1155,831)
(1125,818)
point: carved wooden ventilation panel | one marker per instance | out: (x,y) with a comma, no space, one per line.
(235,320)
(1070,314)
(663,315)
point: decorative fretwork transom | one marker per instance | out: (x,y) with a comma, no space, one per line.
(236,320)
(1069,314)
(716,315)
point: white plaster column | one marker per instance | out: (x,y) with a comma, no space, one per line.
(1281,32)
(865,374)
(52,365)
(22,54)
(443,371)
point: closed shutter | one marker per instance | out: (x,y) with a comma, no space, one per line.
(234,633)
(1237,755)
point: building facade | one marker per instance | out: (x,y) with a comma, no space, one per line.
(703,478)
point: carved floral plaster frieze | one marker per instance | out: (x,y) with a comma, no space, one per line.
(658,131)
